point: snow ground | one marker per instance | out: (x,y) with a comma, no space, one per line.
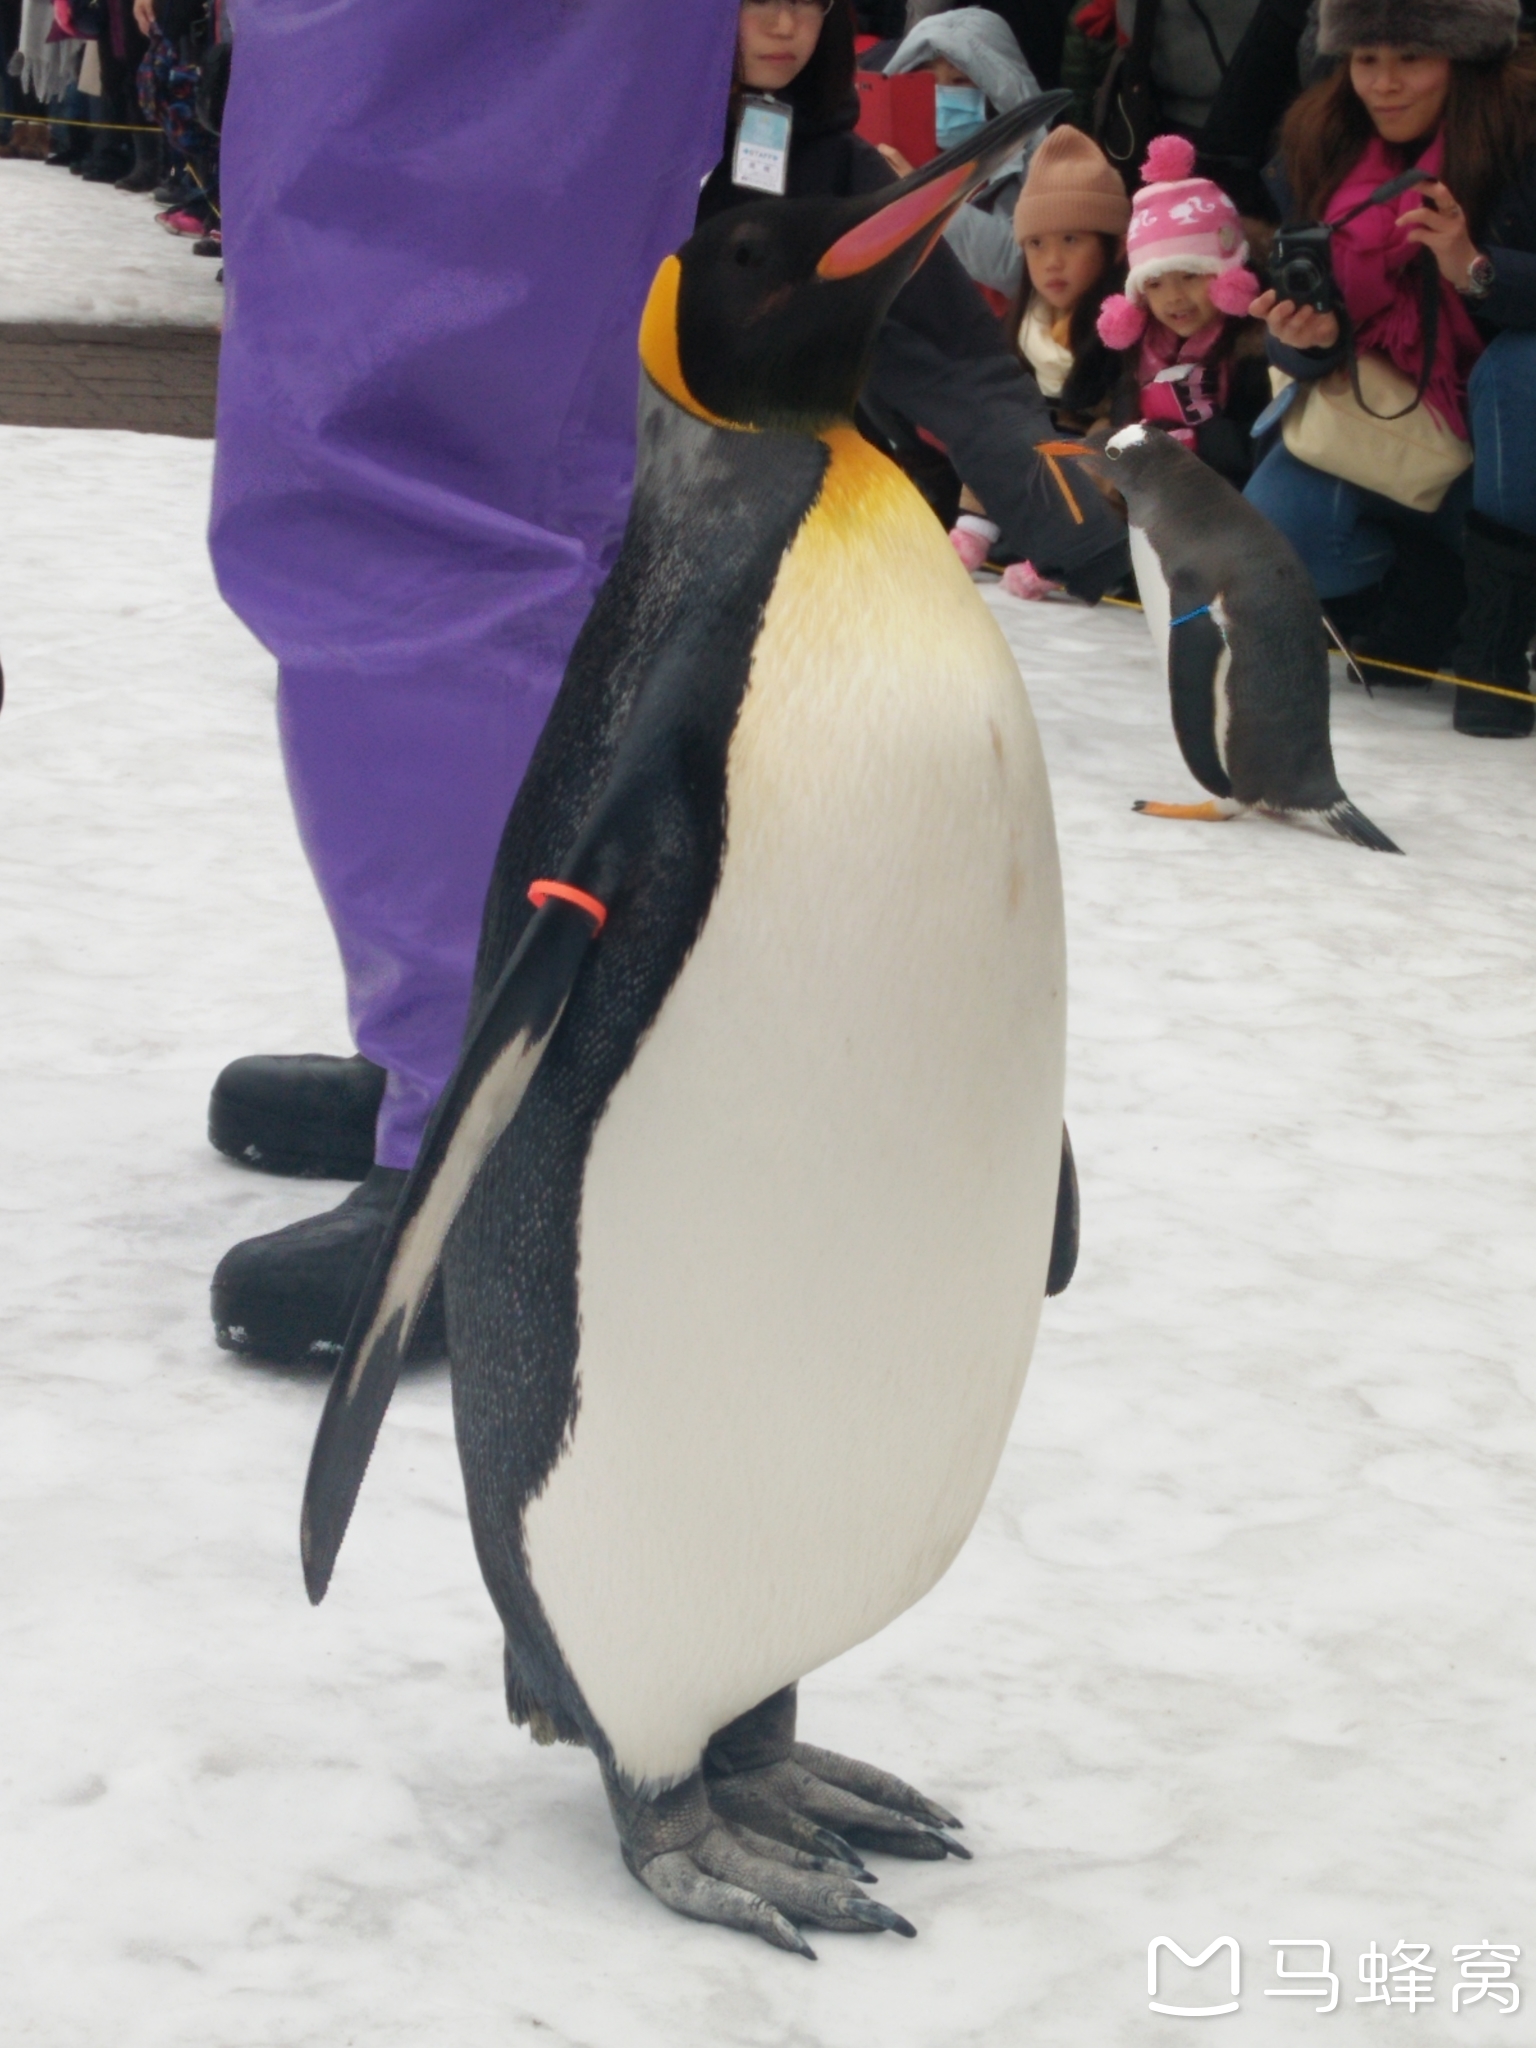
(1241,1645)
(88,253)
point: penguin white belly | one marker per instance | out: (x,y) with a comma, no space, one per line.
(1221,686)
(1152,589)
(818,1210)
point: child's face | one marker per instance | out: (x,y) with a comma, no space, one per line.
(1181,299)
(1062,267)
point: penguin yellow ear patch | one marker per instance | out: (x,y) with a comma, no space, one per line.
(658,343)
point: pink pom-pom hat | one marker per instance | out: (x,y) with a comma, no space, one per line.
(1178,222)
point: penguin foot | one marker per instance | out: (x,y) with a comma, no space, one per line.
(1212,810)
(709,1869)
(757,1776)
(812,1793)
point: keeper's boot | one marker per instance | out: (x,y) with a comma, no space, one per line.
(1497,626)
(288,1298)
(308,1114)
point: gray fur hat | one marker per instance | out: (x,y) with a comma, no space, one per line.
(1467,31)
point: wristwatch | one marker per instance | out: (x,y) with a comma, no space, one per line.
(1480,276)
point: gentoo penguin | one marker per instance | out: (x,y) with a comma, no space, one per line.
(1237,623)
(751,1178)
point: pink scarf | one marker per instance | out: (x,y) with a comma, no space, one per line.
(1181,404)
(1375,265)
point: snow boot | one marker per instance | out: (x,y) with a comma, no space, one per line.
(144,173)
(1496,629)
(309,1114)
(1422,599)
(288,1298)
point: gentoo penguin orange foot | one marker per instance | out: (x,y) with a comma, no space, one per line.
(1238,627)
(1215,809)
(751,1179)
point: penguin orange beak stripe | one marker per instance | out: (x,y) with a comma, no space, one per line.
(897,224)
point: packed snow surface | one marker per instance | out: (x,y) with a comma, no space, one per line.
(91,254)
(1241,1645)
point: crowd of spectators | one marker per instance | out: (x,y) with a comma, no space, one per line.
(127,93)
(1113,272)
(1125,262)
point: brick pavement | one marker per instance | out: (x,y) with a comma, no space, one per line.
(149,380)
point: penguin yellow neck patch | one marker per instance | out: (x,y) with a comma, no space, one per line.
(658,345)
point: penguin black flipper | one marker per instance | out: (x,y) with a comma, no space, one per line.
(1058,1275)
(1196,651)
(477,1106)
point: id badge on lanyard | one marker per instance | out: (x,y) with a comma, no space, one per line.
(760,161)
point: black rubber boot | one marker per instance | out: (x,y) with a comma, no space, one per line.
(306,1114)
(1496,630)
(144,173)
(288,1298)
(1421,601)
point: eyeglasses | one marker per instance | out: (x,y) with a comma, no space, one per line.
(819,7)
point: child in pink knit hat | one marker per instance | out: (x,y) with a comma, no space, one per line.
(1194,360)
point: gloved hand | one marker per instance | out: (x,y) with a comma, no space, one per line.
(1023,579)
(973,538)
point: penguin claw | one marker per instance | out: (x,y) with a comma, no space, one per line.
(873,1914)
(843,1863)
(836,1850)
(736,1880)
(867,1781)
(808,1800)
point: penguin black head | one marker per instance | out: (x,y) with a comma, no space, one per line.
(766,318)
(1139,452)
(1157,476)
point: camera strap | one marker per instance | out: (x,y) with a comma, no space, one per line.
(1429,286)
(1429,277)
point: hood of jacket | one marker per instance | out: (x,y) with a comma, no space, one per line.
(977,42)
(983,46)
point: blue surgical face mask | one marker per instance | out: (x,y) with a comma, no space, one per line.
(958,111)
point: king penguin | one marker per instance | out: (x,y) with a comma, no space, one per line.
(1240,633)
(752,1175)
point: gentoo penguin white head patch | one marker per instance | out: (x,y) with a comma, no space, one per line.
(1128,437)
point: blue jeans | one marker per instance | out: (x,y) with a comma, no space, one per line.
(1345,535)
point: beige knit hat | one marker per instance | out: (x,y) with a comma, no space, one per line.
(1072,188)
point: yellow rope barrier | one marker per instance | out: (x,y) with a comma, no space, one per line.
(1397,667)
(54,121)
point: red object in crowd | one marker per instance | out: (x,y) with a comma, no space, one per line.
(899,111)
(1097,19)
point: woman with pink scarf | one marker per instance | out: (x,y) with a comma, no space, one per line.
(1445,86)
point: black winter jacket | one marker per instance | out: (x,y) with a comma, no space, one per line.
(942,363)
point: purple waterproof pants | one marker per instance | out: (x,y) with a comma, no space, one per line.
(440,223)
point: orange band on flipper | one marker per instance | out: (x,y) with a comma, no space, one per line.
(540,892)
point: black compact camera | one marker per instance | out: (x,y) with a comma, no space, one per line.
(1301,262)
(1301,267)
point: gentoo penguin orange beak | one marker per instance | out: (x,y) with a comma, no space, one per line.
(767,317)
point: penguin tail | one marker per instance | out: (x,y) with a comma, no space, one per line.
(1356,826)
